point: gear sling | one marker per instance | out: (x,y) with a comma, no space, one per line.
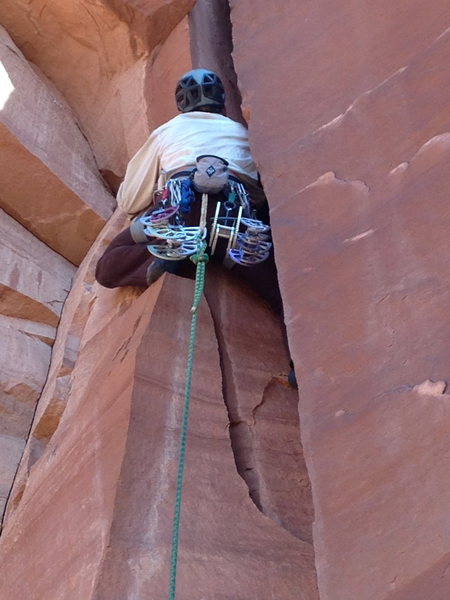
(247,237)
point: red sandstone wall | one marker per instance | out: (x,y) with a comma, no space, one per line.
(349,123)
(98,56)
(94,499)
(68,108)
(348,115)
(93,493)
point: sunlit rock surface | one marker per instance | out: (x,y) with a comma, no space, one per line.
(111,462)
(34,280)
(34,284)
(25,349)
(78,308)
(50,180)
(349,125)
(348,115)
(100,58)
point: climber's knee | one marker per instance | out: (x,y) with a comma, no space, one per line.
(103,277)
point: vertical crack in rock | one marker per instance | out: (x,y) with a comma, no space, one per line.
(212,45)
(27,437)
(262,409)
(239,430)
(264,428)
(42,427)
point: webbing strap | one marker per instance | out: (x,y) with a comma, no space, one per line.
(200,259)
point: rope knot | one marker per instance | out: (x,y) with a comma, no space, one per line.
(199,258)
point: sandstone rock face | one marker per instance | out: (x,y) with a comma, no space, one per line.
(25,349)
(99,57)
(170,61)
(349,124)
(50,181)
(355,164)
(262,408)
(111,463)
(51,184)
(34,283)
(78,308)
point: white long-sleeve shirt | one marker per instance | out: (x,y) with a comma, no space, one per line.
(174,147)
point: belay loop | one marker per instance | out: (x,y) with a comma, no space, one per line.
(200,258)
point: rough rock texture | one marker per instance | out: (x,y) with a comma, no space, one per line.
(34,280)
(262,408)
(25,350)
(99,57)
(350,127)
(111,462)
(34,283)
(49,178)
(356,169)
(78,308)
(169,62)
(51,184)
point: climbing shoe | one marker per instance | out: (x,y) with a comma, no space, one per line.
(158,267)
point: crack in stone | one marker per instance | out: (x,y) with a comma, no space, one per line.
(254,452)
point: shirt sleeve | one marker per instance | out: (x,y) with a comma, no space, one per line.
(136,191)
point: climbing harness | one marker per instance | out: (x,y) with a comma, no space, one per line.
(248,238)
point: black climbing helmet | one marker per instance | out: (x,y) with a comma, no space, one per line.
(199,88)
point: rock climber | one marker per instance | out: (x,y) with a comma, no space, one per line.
(197,153)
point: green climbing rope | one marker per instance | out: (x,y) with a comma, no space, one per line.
(200,259)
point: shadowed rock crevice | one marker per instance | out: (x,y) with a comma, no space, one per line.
(212,45)
(262,409)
